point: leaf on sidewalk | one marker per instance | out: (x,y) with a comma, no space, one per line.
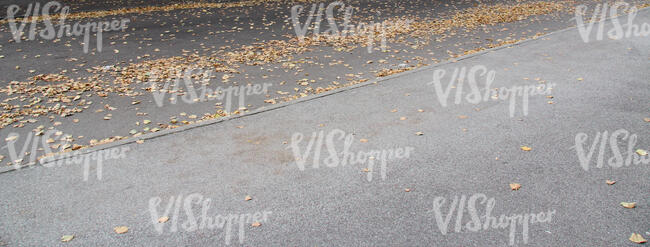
(642,152)
(610,182)
(163,219)
(637,238)
(121,229)
(256,224)
(628,204)
(515,186)
(526,148)
(67,238)
(248,198)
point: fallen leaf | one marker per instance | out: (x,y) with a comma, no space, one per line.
(248,198)
(402,118)
(256,224)
(647,119)
(365,170)
(121,229)
(163,219)
(628,204)
(67,238)
(11,138)
(515,186)
(419,133)
(610,182)
(462,117)
(363,140)
(407,190)
(580,78)
(637,238)
(525,148)
(641,152)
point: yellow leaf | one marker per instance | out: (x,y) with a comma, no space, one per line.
(637,238)
(525,148)
(515,186)
(641,152)
(67,238)
(121,229)
(628,204)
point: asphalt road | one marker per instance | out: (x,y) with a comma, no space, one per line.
(462,149)
(186,33)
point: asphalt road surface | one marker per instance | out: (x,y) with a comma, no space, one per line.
(537,143)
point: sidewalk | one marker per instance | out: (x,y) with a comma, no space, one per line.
(465,149)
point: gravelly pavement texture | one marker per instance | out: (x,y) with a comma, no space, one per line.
(464,149)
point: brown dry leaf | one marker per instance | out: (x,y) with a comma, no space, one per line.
(628,204)
(515,186)
(365,170)
(163,219)
(67,238)
(393,110)
(402,118)
(610,182)
(256,224)
(248,198)
(526,148)
(363,140)
(637,238)
(462,117)
(407,190)
(121,229)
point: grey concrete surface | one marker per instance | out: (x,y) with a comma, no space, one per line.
(338,206)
